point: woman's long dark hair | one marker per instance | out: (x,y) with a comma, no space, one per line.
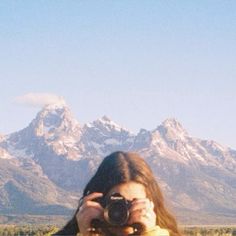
(122,167)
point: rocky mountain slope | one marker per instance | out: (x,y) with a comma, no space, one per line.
(44,167)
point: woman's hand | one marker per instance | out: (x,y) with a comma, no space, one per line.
(142,211)
(89,210)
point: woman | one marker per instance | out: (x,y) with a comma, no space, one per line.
(129,175)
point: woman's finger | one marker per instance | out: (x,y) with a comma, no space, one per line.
(144,203)
(92,196)
(90,204)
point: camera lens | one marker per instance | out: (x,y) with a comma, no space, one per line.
(118,213)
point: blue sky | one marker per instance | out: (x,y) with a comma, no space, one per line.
(138,62)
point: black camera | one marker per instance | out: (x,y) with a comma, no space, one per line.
(116,214)
(116,210)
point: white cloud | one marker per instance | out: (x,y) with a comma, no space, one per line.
(39,99)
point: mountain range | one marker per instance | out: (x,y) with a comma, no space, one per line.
(45,166)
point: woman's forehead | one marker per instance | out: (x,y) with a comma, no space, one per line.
(129,190)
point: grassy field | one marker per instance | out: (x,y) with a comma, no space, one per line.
(46,230)
(27,230)
(209,230)
(38,225)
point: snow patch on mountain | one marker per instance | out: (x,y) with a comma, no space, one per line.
(4,154)
(106,124)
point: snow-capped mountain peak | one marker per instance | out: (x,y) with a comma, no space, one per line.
(108,124)
(59,104)
(171,129)
(172,123)
(54,126)
(105,119)
(54,118)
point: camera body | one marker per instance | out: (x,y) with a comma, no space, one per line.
(116,214)
(116,209)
